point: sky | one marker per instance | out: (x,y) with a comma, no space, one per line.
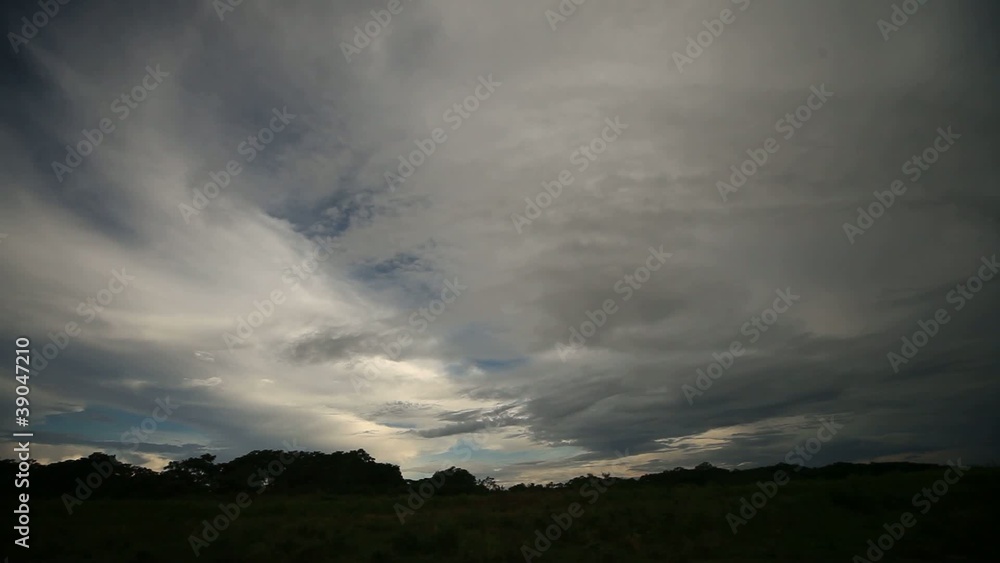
(530,239)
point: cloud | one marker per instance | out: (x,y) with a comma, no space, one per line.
(210,382)
(320,183)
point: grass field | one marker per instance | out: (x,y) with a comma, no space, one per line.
(806,520)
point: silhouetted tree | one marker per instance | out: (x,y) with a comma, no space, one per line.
(196,473)
(489,484)
(100,475)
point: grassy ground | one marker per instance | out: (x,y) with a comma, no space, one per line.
(807,520)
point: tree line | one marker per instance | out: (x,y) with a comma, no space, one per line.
(100,475)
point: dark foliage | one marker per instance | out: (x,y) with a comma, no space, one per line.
(102,476)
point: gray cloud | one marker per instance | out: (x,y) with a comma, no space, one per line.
(323,179)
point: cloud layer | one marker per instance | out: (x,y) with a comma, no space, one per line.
(309,299)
